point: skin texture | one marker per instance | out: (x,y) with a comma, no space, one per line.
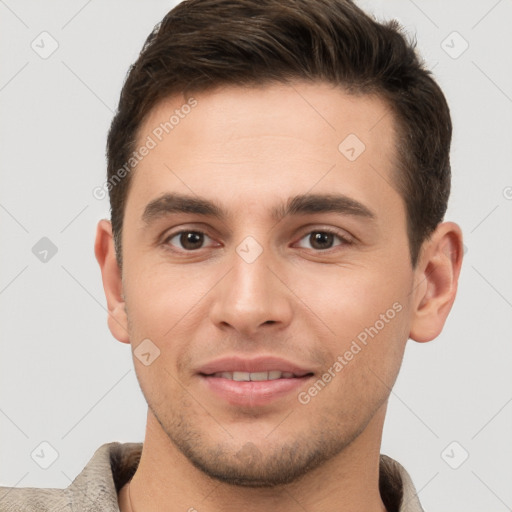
(250,150)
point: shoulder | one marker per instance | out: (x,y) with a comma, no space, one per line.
(95,488)
(30,499)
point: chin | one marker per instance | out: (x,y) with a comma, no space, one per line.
(251,467)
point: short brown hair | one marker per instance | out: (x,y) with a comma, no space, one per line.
(205,44)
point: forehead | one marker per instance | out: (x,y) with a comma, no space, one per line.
(314,111)
(248,143)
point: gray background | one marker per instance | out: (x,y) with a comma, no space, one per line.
(67,382)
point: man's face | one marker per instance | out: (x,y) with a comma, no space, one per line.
(254,291)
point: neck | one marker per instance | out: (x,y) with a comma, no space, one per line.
(165,480)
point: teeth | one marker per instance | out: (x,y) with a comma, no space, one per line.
(241,376)
(259,376)
(254,376)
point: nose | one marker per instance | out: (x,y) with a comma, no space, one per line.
(252,297)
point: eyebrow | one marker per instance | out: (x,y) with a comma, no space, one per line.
(298,205)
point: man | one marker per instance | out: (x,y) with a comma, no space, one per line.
(278,174)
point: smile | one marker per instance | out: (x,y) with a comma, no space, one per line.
(254,376)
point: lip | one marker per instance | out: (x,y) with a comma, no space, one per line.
(252,393)
(257,364)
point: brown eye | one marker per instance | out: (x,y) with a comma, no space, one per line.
(321,240)
(189,240)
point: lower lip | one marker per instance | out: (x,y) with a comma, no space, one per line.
(253,393)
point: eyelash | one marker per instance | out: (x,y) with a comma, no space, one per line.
(344,239)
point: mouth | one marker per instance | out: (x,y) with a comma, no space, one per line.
(257,376)
(252,382)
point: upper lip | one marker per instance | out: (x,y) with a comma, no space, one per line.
(252,365)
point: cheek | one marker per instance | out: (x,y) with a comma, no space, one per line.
(167,308)
(365,361)
(350,300)
(367,317)
(160,297)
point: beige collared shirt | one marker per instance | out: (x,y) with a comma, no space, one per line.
(113,465)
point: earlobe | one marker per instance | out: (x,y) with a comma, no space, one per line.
(112,281)
(436,281)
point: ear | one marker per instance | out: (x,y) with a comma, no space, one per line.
(436,279)
(112,281)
